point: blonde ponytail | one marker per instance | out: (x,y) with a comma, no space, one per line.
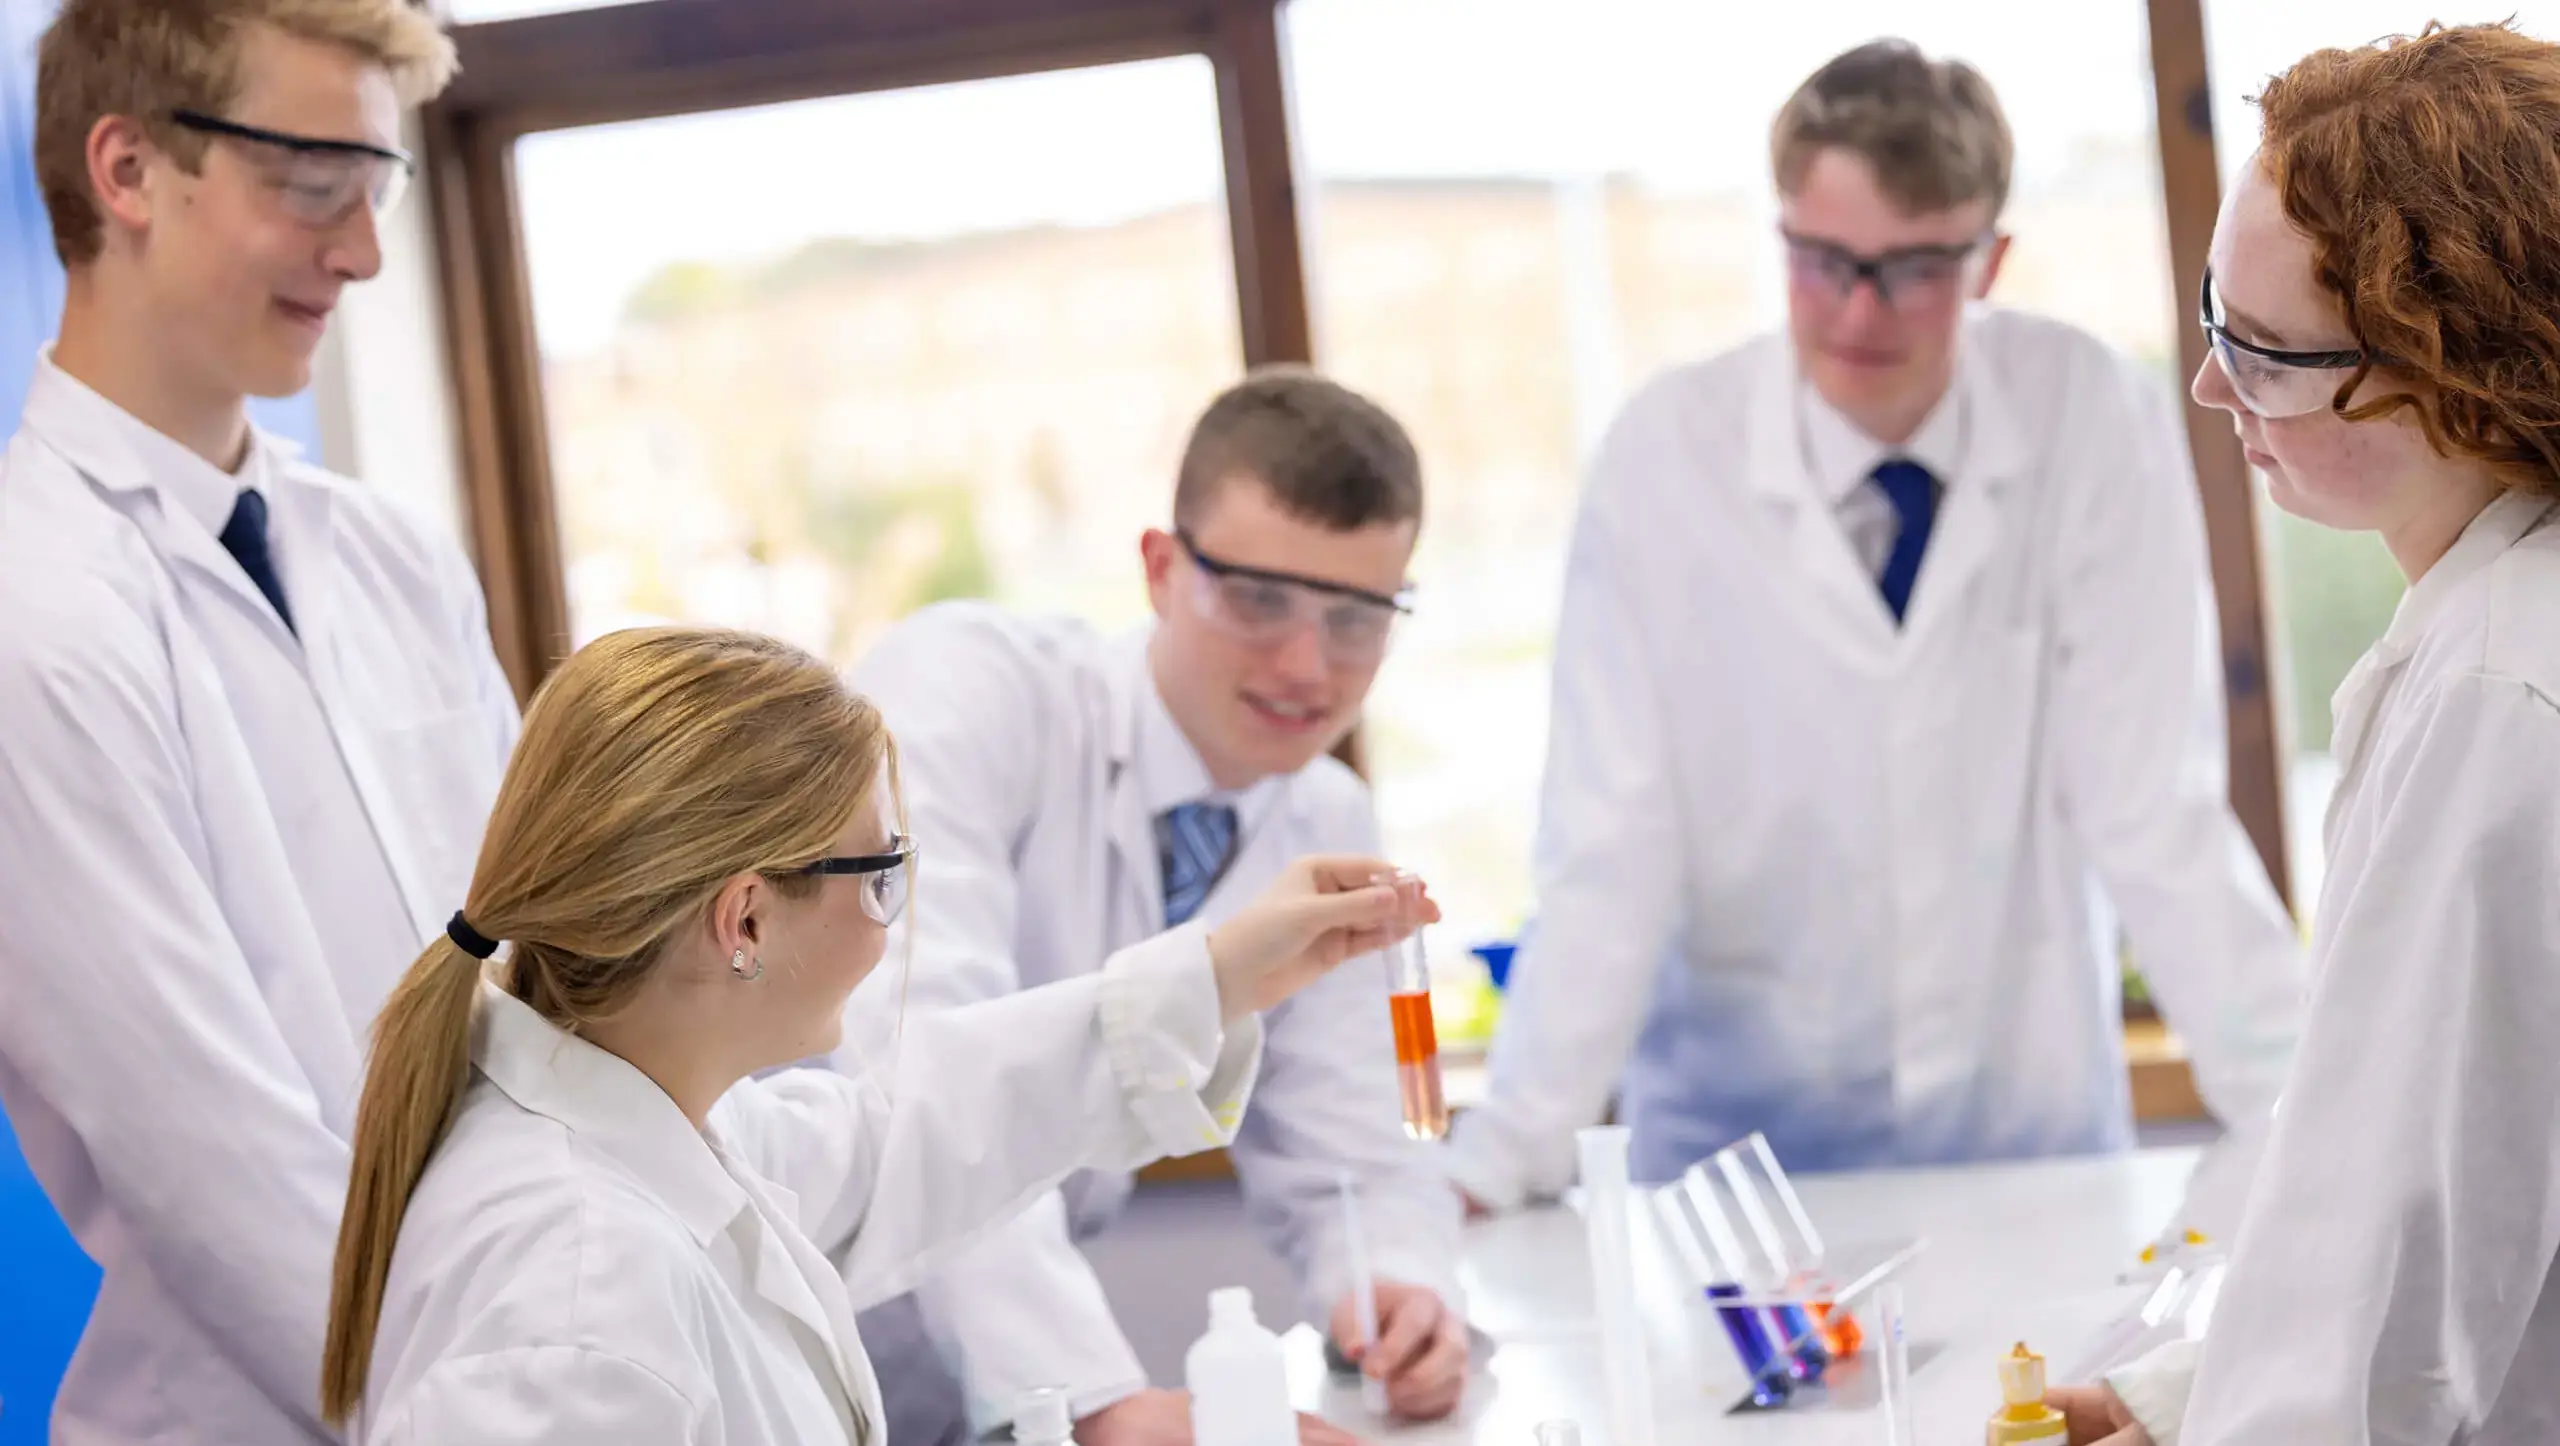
(421,1053)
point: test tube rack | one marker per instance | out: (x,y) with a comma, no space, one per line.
(1785,1297)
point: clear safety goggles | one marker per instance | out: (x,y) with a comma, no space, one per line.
(1916,277)
(2271,382)
(1265,609)
(320,183)
(887,878)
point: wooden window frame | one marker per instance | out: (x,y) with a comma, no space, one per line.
(667,57)
(672,57)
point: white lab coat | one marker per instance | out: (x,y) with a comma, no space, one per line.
(1851,863)
(580,1267)
(219,847)
(2392,1281)
(1036,754)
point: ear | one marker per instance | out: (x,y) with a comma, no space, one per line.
(1991,260)
(120,152)
(1158,550)
(736,914)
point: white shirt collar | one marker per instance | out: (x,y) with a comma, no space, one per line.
(611,1107)
(1839,458)
(120,450)
(1170,770)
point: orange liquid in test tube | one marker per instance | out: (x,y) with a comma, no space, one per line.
(1426,1111)
(1426,1114)
(1840,1333)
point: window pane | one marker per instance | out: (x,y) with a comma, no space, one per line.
(811,366)
(1523,210)
(2333,593)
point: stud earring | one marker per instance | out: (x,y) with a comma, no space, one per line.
(739,966)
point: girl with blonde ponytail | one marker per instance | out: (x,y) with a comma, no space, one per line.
(580,1213)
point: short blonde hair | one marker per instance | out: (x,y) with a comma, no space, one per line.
(146,58)
(1931,129)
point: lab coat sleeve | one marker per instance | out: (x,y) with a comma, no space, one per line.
(2138,727)
(988,1106)
(126,1004)
(1021,1307)
(1327,1102)
(544,1396)
(2156,1387)
(2402,1231)
(1608,858)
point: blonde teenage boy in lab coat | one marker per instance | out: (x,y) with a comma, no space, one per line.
(249,720)
(1085,792)
(1887,648)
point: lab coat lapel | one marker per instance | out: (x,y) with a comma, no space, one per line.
(1970,518)
(1839,596)
(789,1273)
(111,466)
(2359,697)
(1139,877)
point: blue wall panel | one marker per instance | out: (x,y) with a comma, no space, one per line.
(46,1283)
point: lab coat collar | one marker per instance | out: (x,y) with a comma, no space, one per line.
(2509,516)
(190,499)
(1839,458)
(609,1105)
(2359,695)
(122,453)
(1996,454)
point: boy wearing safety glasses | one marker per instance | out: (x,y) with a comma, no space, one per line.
(1083,792)
(249,720)
(1887,650)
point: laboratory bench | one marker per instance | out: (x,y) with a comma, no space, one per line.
(2022,1252)
(2164,1091)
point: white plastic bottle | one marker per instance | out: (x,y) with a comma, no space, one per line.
(1239,1379)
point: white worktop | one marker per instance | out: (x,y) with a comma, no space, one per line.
(2030,1252)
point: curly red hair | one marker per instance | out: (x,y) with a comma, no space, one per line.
(2426,171)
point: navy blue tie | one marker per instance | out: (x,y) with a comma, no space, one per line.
(1194,842)
(245,538)
(1914,495)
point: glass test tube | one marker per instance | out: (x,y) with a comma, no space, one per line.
(1769,1367)
(1806,1353)
(1426,1111)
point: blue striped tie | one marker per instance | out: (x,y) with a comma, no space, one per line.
(1914,495)
(1194,842)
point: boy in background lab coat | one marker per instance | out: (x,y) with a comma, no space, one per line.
(1884,638)
(249,719)
(1085,792)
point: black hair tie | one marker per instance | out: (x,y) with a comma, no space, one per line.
(471,941)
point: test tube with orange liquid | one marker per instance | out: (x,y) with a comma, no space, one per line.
(1426,1110)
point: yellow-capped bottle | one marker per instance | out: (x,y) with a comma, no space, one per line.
(2023,1418)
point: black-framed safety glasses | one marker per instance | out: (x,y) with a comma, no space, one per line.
(1265,608)
(887,878)
(2271,381)
(1921,276)
(321,182)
